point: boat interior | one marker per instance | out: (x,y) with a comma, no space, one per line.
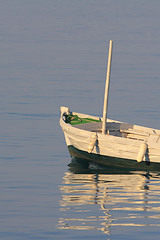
(114,128)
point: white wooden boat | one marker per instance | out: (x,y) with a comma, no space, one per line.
(109,142)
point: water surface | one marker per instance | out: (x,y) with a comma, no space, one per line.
(114,204)
(54,53)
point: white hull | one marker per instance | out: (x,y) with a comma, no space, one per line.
(123,140)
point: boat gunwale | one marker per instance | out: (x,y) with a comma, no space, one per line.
(151,131)
(132,141)
(67,127)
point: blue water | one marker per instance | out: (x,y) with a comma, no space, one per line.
(54,53)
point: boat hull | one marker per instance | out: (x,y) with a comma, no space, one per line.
(112,162)
(116,149)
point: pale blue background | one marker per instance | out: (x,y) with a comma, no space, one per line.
(54,53)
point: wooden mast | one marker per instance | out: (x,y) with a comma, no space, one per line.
(105,106)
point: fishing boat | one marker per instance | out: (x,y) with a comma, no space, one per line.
(109,142)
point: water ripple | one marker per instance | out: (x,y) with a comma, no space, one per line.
(101,201)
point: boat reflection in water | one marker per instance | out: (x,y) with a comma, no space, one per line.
(95,198)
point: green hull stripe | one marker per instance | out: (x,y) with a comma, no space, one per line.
(112,161)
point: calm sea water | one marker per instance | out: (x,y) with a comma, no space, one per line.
(54,53)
